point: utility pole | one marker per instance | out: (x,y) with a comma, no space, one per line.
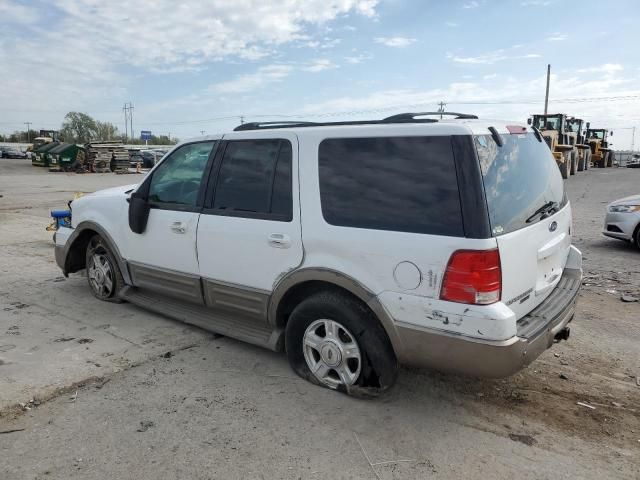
(125,109)
(201,132)
(546,96)
(128,120)
(131,119)
(633,138)
(28,124)
(241,120)
(441,109)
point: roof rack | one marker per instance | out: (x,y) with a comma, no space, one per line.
(410,117)
(400,118)
(267,125)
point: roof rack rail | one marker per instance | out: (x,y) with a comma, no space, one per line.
(400,118)
(411,116)
(267,125)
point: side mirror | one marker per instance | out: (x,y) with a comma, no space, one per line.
(138,213)
(611,133)
(529,121)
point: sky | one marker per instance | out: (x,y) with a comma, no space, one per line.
(193,66)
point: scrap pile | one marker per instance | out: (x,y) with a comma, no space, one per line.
(103,157)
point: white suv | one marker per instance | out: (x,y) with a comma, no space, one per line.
(354,246)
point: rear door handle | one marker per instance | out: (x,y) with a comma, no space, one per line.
(178,227)
(279,240)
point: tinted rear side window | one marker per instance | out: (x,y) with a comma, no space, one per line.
(519,178)
(405,184)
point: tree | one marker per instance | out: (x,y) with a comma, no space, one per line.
(78,128)
(106,131)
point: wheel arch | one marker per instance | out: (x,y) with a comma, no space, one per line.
(76,247)
(298,285)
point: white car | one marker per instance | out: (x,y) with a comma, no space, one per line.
(353,246)
(623,220)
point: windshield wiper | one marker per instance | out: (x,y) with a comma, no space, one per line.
(545,210)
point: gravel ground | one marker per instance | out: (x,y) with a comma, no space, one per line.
(122,393)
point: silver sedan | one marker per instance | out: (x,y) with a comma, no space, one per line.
(623,219)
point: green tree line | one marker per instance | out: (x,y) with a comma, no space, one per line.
(79,127)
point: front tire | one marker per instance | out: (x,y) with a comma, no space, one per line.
(334,341)
(103,274)
(572,158)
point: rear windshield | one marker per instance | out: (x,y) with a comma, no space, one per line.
(519,178)
(404,184)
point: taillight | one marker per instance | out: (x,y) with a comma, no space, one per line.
(473,276)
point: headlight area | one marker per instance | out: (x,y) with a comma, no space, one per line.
(624,208)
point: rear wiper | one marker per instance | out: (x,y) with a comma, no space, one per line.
(545,210)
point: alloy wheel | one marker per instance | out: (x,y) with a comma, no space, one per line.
(332,353)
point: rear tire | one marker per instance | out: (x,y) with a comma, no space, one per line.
(334,341)
(103,274)
(581,159)
(572,159)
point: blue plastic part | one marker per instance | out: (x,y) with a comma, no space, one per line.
(60,213)
(62,218)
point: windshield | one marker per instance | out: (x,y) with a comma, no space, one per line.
(519,178)
(546,123)
(596,134)
(573,125)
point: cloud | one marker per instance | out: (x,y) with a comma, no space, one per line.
(607,68)
(252,81)
(557,37)
(190,32)
(18,13)
(323,44)
(265,76)
(396,42)
(95,49)
(320,65)
(491,58)
(358,58)
(471,4)
(451,24)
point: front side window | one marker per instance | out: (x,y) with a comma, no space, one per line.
(255,180)
(177,179)
(404,184)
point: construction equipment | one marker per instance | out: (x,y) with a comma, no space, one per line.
(601,154)
(578,136)
(553,128)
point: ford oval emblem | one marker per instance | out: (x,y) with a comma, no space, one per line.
(553,226)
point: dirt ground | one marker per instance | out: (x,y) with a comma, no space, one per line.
(112,391)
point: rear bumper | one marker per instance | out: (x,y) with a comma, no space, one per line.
(471,356)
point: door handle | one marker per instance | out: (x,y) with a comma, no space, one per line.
(178,227)
(279,240)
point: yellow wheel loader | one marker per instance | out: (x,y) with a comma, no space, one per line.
(601,154)
(577,136)
(553,128)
